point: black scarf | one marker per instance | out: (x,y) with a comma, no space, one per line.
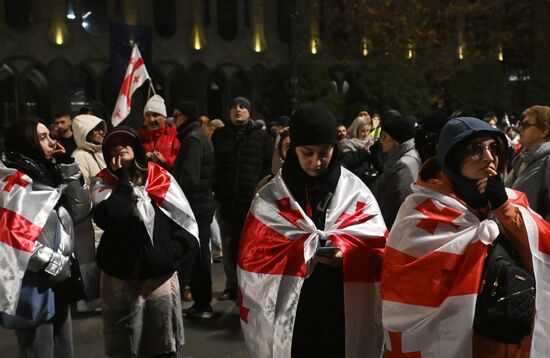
(40,170)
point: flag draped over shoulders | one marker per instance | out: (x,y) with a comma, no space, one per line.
(277,251)
(160,187)
(432,270)
(23,214)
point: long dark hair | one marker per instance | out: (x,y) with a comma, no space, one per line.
(23,152)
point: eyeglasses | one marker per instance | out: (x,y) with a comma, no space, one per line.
(525,124)
(152,114)
(477,150)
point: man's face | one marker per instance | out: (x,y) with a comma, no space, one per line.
(341,132)
(154,121)
(239,114)
(63,124)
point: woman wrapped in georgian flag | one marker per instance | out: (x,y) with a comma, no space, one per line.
(149,231)
(310,256)
(436,251)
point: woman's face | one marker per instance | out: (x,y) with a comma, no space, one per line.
(121,147)
(363,131)
(96,135)
(46,142)
(481,158)
(314,159)
(530,135)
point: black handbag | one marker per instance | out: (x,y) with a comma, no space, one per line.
(72,289)
(505,306)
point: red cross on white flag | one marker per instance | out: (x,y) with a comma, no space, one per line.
(23,213)
(136,75)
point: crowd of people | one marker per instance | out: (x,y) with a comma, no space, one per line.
(336,240)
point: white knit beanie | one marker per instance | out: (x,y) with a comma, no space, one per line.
(156,105)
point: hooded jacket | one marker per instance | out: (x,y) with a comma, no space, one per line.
(87,155)
(459,131)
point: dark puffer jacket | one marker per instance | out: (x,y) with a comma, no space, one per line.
(241,162)
(194,168)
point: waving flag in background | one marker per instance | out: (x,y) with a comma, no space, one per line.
(136,75)
(432,270)
(162,188)
(23,214)
(277,247)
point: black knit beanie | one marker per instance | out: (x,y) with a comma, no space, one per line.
(401,129)
(243,102)
(189,110)
(312,124)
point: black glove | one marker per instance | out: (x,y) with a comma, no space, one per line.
(376,157)
(496,192)
(63,159)
(123,177)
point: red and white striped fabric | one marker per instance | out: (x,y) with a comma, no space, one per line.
(432,270)
(276,255)
(23,214)
(136,75)
(162,188)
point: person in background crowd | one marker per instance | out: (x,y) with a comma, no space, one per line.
(30,150)
(299,226)
(341,131)
(149,229)
(358,135)
(205,124)
(279,156)
(435,253)
(401,164)
(159,138)
(375,131)
(243,155)
(194,169)
(277,161)
(531,167)
(88,131)
(427,133)
(54,134)
(491,118)
(65,132)
(216,124)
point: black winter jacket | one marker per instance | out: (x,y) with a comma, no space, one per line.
(125,250)
(241,162)
(195,168)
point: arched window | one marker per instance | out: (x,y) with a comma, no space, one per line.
(164,14)
(228,16)
(284,10)
(18,13)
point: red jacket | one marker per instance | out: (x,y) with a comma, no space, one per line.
(163,140)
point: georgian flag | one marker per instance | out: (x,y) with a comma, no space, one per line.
(162,188)
(136,75)
(432,270)
(23,214)
(277,251)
